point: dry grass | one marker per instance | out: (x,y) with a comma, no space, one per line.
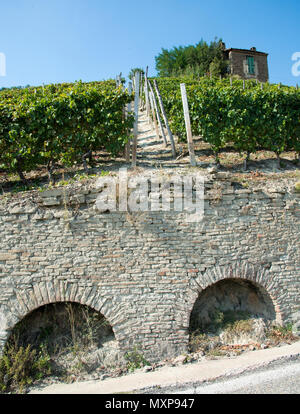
(297,187)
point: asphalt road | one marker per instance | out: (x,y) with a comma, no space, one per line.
(282,379)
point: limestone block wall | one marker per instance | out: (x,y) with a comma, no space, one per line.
(238,64)
(144,271)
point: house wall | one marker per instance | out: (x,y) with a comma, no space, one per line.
(238,64)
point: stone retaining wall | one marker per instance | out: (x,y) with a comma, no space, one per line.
(144,271)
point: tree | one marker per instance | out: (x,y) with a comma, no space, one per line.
(133,71)
(192,60)
(218,67)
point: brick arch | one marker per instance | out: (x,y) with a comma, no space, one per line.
(43,293)
(258,275)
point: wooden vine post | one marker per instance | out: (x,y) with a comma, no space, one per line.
(188,125)
(136,116)
(157,114)
(165,119)
(142,98)
(128,144)
(147,94)
(154,122)
(141,88)
(119,80)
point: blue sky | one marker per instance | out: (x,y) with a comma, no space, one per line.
(47,41)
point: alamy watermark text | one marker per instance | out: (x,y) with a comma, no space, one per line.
(152,193)
(2,64)
(296,65)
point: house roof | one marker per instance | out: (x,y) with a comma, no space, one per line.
(247,51)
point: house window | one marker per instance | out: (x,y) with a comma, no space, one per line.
(251,66)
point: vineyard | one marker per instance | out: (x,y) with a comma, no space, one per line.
(61,124)
(65,125)
(245,115)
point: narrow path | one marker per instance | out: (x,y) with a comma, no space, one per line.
(151,150)
(208,370)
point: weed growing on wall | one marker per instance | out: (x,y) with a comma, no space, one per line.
(135,359)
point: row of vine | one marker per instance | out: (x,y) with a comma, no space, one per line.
(247,116)
(61,124)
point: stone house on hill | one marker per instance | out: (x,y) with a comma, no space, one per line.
(248,64)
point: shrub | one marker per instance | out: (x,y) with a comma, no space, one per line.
(20,366)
